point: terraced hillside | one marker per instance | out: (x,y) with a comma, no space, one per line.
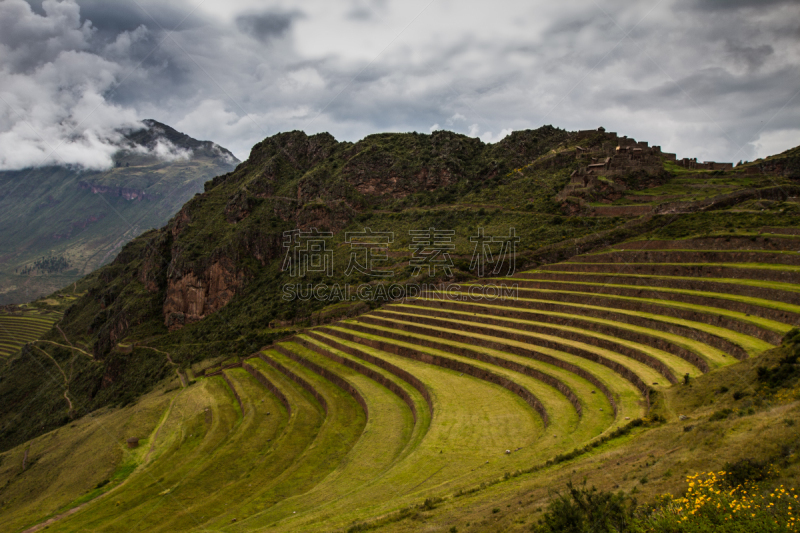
(22,326)
(186,392)
(431,398)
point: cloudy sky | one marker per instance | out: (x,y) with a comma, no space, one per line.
(717,80)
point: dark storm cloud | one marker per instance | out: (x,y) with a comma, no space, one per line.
(267,26)
(59,80)
(752,56)
(110,18)
(728,5)
(116,17)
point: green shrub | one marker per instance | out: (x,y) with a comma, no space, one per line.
(784,374)
(745,470)
(584,510)
(721,414)
(431,503)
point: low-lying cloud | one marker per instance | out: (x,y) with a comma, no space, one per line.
(53,108)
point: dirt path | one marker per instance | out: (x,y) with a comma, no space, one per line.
(181,375)
(66,381)
(69,347)
(53,520)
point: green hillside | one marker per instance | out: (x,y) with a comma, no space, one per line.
(213,377)
(59,224)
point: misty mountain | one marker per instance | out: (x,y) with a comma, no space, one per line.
(58,223)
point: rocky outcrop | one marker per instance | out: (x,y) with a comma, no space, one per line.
(331,216)
(311,182)
(179,222)
(192,297)
(152,272)
(372,178)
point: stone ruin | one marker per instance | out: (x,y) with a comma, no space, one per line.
(620,155)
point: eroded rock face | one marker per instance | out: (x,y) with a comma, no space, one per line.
(180,222)
(191,297)
(378,177)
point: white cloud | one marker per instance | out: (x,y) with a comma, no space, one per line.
(489,137)
(51,90)
(701,79)
(458,117)
(775,142)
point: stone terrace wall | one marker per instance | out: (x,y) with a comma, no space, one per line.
(710,318)
(327,374)
(451,364)
(635,354)
(297,379)
(233,390)
(261,378)
(667,327)
(380,363)
(529,352)
(654,293)
(363,370)
(718,243)
(708,271)
(472,354)
(698,284)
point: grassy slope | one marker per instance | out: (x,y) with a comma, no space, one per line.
(649,462)
(449,456)
(95,451)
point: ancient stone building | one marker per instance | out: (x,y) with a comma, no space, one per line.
(619,156)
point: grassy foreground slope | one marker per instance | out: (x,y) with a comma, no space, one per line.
(435,411)
(309,415)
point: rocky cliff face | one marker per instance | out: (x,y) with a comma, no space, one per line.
(313,182)
(191,297)
(220,239)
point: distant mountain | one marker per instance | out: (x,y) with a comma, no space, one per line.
(57,224)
